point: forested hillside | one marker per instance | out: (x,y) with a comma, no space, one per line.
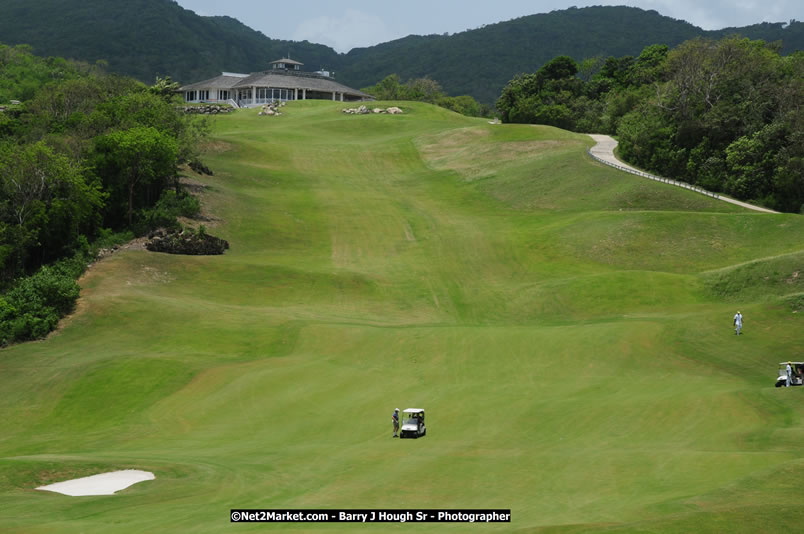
(479,62)
(145,38)
(726,115)
(86,159)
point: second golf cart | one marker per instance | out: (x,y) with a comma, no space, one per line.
(413,423)
(796,374)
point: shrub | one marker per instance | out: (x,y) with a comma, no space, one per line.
(108,238)
(34,305)
(170,206)
(49,287)
(7,313)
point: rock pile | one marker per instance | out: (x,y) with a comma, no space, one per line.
(104,252)
(208,109)
(186,242)
(272,109)
(200,168)
(363,110)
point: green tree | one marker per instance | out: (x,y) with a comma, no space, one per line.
(143,108)
(45,202)
(136,163)
(650,66)
(550,96)
(165,88)
(559,68)
(389,88)
(424,90)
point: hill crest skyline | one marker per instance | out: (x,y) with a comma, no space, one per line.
(169,40)
(346,27)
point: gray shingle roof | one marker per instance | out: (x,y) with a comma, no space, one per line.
(277,79)
(289,81)
(218,82)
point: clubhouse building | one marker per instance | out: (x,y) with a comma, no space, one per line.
(284,81)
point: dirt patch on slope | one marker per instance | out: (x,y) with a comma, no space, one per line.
(216,146)
(470,153)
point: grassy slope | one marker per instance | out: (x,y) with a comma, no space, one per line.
(568,328)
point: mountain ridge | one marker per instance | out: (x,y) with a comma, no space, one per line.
(146,38)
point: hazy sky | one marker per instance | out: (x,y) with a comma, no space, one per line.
(345,25)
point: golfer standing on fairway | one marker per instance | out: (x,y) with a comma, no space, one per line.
(738,323)
(395,421)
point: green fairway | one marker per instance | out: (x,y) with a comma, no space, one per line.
(567,327)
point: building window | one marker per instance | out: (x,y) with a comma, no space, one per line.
(189,96)
(223,95)
(263,95)
(270,94)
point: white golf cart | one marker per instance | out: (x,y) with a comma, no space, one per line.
(796,375)
(413,423)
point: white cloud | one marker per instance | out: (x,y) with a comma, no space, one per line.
(350,30)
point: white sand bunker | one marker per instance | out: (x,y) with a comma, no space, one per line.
(103,484)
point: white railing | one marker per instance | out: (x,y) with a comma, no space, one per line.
(685,185)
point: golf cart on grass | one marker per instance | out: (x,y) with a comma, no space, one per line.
(413,423)
(795,376)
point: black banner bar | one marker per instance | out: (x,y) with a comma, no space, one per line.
(238,515)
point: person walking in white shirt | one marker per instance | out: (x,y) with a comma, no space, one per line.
(738,323)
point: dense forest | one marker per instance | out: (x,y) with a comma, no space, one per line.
(148,38)
(87,160)
(727,115)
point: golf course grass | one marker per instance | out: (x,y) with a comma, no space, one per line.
(567,327)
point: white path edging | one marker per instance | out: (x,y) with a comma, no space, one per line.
(603,152)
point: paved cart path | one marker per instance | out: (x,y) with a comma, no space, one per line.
(604,151)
